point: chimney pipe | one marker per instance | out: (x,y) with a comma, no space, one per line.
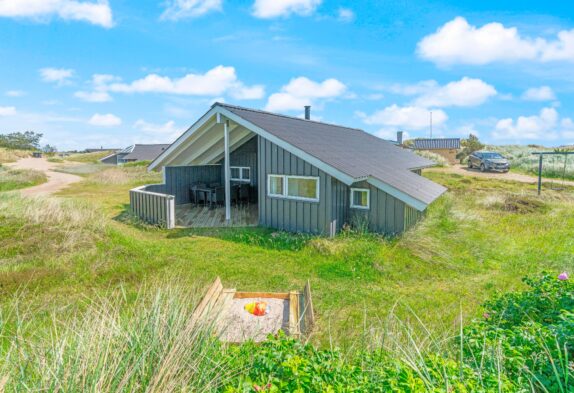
(307,112)
(400,137)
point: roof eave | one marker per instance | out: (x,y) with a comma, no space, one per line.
(406,198)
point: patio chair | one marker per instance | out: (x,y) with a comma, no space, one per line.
(217,197)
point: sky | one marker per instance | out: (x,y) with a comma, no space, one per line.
(91,73)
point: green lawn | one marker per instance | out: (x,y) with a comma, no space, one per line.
(481,238)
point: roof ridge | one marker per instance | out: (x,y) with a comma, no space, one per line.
(286,116)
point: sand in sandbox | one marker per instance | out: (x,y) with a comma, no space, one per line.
(238,325)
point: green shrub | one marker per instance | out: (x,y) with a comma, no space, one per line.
(529,334)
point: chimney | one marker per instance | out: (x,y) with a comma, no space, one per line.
(400,137)
(307,112)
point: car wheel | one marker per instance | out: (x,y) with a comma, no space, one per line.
(469,164)
(482,168)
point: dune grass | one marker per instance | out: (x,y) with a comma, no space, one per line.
(14,179)
(92,158)
(11,155)
(474,242)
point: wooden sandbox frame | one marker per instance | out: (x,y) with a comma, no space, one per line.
(217,302)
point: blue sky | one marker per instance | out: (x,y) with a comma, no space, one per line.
(88,73)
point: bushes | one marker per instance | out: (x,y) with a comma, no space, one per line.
(523,343)
(529,334)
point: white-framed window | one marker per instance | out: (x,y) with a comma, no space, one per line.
(360,198)
(276,185)
(305,188)
(240,173)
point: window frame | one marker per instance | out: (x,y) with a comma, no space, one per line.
(352,198)
(286,195)
(241,177)
(269,186)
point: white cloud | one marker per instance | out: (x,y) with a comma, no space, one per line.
(163,132)
(180,9)
(93,96)
(15,93)
(413,89)
(346,15)
(7,111)
(458,42)
(542,93)
(217,81)
(276,8)
(61,76)
(302,91)
(465,92)
(106,120)
(409,117)
(94,12)
(541,126)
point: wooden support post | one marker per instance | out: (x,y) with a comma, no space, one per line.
(539,173)
(227,173)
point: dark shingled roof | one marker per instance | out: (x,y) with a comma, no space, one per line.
(144,152)
(349,150)
(437,143)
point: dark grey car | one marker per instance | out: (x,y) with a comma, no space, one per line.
(488,161)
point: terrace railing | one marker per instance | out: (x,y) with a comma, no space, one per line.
(153,206)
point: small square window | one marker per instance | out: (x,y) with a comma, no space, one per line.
(240,173)
(360,198)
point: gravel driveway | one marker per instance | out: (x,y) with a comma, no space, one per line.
(464,170)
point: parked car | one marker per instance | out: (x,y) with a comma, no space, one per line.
(488,161)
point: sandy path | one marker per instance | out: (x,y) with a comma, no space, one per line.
(56,180)
(463,170)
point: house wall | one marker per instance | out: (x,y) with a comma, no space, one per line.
(246,156)
(178,179)
(387,214)
(288,214)
(449,154)
(112,160)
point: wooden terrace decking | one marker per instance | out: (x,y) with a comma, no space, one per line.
(190,216)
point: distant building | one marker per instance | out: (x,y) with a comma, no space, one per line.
(135,153)
(97,150)
(446,147)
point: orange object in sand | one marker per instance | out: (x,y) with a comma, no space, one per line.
(257,308)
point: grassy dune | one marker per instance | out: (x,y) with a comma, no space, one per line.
(88,157)
(13,179)
(11,155)
(479,239)
(94,300)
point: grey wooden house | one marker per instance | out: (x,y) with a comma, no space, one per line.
(303,176)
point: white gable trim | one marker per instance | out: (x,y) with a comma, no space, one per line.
(174,146)
(409,200)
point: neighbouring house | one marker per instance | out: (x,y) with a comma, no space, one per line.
(134,153)
(288,173)
(446,147)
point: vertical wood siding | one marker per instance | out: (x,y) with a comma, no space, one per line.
(385,215)
(412,216)
(178,180)
(152,207)
(245,156)
(288,214)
